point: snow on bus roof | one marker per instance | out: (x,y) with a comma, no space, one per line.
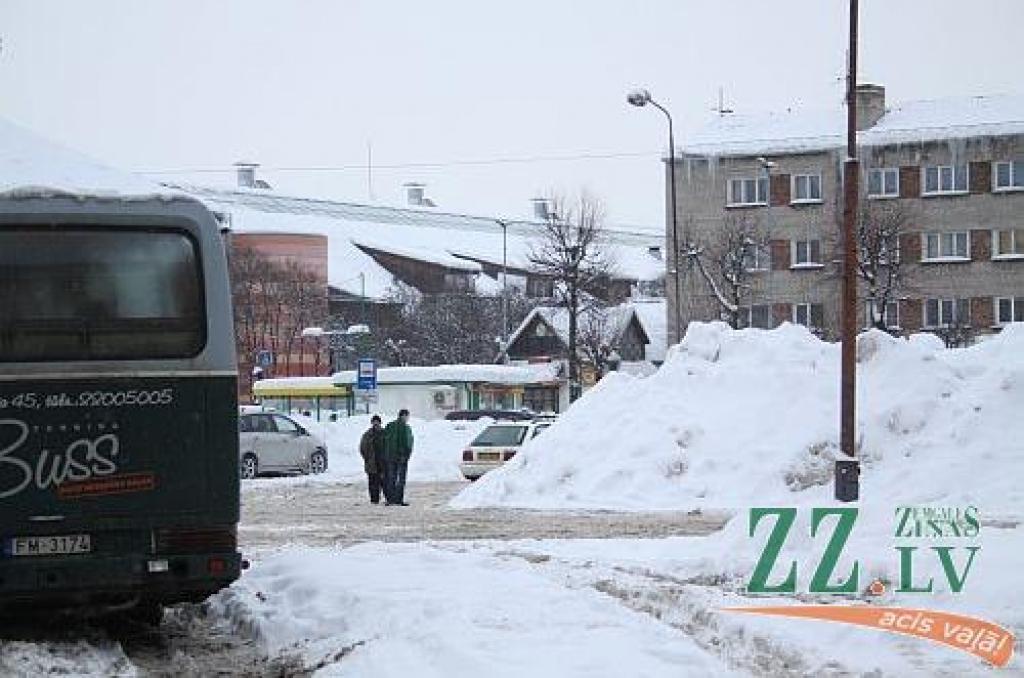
(32,166)
(805,131)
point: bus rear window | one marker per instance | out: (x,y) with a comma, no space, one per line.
(95,294)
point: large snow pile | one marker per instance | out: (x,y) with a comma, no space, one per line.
(437,449)
(741,418)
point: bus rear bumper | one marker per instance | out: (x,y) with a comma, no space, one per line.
(114,581)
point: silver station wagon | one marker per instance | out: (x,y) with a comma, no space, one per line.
(275,443)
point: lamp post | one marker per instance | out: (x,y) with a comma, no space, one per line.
(640,98)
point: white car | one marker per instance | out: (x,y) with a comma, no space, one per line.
(273,443)
(496,444)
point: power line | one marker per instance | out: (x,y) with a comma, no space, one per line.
(417,165)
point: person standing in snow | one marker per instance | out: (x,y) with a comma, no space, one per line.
(397,450)
(371,447)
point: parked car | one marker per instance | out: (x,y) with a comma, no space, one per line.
(496,415)
(274,443)
(496,444)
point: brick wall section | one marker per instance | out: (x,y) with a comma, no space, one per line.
(910,181)
(309,251)
(980,174)
(910,315)
(982,313)
(981,244)
(780,189)
(781,313)
(780,254)
(910,248)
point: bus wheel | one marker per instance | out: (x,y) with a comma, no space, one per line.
(317,462)
(250,466)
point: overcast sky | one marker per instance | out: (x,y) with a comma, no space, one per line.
(475,85)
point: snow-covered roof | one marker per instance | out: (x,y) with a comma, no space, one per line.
(459,374)
(804,131)
(429,235)
(32,166)
(557,318)
(653,315)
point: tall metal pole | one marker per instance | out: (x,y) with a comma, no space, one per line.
(504,284)
(847,472)
(674,217)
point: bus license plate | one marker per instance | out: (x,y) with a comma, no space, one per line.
(56,545)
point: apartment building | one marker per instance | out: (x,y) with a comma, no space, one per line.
(951,171)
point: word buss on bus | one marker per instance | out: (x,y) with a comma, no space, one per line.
(119,481)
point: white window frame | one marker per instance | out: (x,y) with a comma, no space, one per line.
(808,308)
(1016,306)
(747,312)
(759,200)
(762,259)
(1014,178)
(869,306)
(954,173)
(794,248)
(943,322)
(1017,244)
(881,172)
(940,257)
(794,180)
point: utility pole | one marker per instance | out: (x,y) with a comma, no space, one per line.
(504,284)
(847,471)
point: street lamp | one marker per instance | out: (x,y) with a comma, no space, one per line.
(640,98)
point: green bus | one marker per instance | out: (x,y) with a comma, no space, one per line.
(119,483)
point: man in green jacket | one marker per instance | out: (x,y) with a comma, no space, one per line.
(397,450)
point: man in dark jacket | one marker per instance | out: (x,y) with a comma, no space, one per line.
(371,447)
(397,450)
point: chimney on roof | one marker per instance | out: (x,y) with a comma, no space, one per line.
(654,251)
(541,208)
(870,105)
(414,194)
(246,173)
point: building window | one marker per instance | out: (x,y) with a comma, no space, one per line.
(1009,310)
(946,312)
(946,246)
(806,254)
(540,288)
(757,258)
(758,315)
(809,315)
(1008,243)
(940,179)
(1009,176)
(892,315)
(806,188)
(748,191)
(884,182)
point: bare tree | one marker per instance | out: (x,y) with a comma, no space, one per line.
(571,252)
(727,261)
(883,225)
(597,340)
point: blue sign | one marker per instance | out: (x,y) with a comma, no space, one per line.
(264,358)
(366,375)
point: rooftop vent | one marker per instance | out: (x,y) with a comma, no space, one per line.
(246,173)
(870,105)
(415,195)
(541,208)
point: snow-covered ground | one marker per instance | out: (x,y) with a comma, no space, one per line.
(437,450)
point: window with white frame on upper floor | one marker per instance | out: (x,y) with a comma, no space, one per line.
(1008,176)
(757,258)
(953,246)
(758,315)
(806,188)
(884,182)
(748,191)
(1009,310)
(807,253)
(809,315)
(939,179)
(946,312)
(891,318)
(1008,243)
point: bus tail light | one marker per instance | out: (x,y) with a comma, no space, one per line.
(221,539)
(216,566)
(467,455)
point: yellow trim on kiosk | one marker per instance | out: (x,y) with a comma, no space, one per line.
(277,391)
